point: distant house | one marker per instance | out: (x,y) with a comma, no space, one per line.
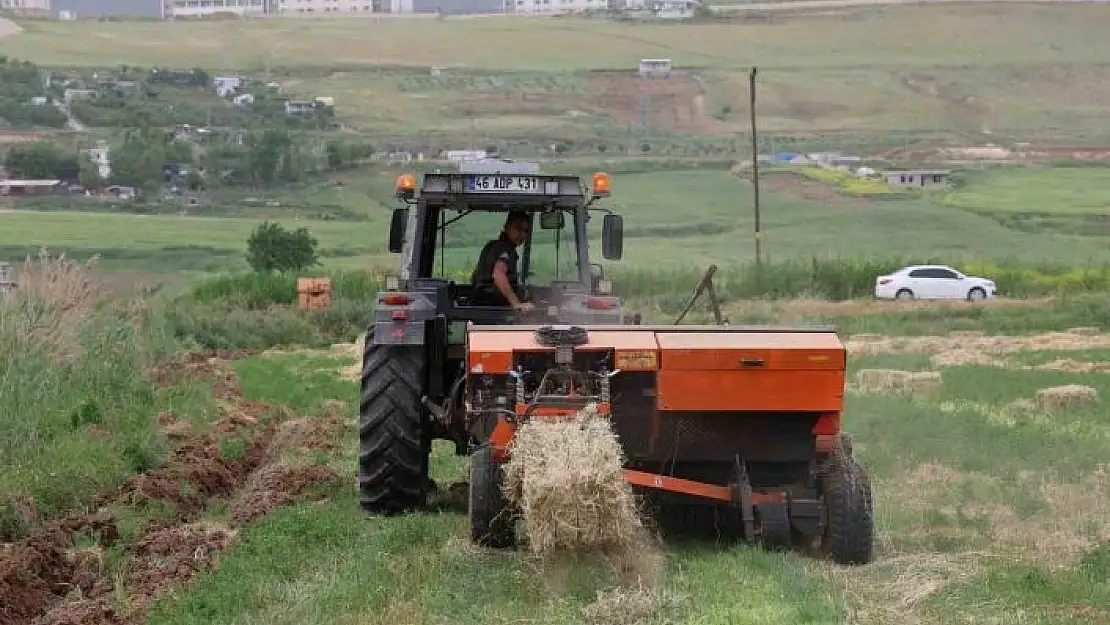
(673,9)
(71,95)
(227,85)
(30,187)
(917,178)
(299,107)
(655,67)
(71,9)
(99,157)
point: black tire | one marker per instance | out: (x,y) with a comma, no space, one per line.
(393,439)
(903,294)
(849,512)
(490,515)
(972,297)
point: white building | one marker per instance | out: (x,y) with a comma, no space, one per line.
(99,157)
(194,8)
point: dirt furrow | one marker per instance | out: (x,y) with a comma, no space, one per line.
(60,575)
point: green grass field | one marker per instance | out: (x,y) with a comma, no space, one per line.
(991,508)
(978,514)
(673,220)
(946,70)
(1063,191)
(979,518)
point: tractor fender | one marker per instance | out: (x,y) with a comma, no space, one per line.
(399,333)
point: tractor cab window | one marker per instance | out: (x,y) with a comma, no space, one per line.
(554,254)
(459,245)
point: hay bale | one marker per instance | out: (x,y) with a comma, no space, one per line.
(566,477)
(964,356)
(895,382)
(1059,398)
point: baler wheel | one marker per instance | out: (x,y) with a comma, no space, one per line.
(490,515)
(393,443)
(849,527)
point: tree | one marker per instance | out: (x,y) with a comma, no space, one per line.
(89,175)
(273,248)
(37,161)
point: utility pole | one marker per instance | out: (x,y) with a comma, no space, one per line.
(755,166)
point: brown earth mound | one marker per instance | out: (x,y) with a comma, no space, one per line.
(676,102)
(210,365)
(277,486)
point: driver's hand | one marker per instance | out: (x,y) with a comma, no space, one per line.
(525,306)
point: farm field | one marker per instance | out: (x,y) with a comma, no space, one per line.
(979,517)
(1069,191)
(910,36)
(673,220)
(946,69)
(186,456)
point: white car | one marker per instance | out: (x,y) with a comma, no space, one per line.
(933,282)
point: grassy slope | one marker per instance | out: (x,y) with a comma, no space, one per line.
(926,67)
(659,230)
(913,37)
(78,412)
(979,521)
(1055,191)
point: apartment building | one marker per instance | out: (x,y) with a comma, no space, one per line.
(97,8)
(327,8)
(26,6)
(196,8)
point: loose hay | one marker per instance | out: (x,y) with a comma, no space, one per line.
(1058,398)
(895,382)
(566,478)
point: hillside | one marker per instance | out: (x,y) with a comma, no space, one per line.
(943,70)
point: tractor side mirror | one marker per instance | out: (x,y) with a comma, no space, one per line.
(612,237)
(552,220)
(397,229)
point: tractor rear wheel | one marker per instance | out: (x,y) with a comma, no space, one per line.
(490,514)
(849,522)
(393,440)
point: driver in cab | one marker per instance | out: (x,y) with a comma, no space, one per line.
(495,278)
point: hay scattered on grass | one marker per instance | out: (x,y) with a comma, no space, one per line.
(1068,365)
(969,342)
(958,357)
(566,477)
(628,606)
(895,382)
(1059,398)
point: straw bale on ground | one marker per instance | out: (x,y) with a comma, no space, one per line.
(566,476)
(1075,366)
(895,382)
(1058,398)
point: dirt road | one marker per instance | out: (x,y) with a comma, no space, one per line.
(802,5)
(8,27)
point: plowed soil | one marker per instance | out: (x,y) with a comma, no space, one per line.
(47,579)
(675,102)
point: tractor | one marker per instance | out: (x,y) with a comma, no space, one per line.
(745,419)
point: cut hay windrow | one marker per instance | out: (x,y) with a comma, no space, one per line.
(1057,398)
(566,477)
(895,382)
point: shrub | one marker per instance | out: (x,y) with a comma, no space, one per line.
(273,248)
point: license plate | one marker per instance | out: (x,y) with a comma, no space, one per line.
(503,184)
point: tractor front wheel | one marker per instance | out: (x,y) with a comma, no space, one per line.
(490,514)
(849,517)
(393,439)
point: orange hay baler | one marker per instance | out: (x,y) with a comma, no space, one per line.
(736,418)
